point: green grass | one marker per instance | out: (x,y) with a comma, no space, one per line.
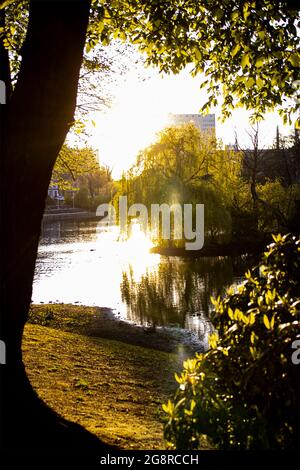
(66,317)
(113,389)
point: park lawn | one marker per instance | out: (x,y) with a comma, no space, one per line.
(113,389)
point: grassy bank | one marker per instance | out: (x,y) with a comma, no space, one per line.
(112,388)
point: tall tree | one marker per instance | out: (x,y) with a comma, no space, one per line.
(186,165)
(73,163)
(34,124)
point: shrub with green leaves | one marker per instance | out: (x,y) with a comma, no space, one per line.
(244,392)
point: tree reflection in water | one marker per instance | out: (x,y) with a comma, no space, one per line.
(178,291)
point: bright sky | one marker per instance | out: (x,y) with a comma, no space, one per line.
(141,107)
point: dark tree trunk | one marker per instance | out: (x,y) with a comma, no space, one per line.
(34,124)
(253,184)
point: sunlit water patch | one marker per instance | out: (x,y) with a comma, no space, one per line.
(91,264)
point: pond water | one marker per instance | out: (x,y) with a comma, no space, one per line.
(87,263)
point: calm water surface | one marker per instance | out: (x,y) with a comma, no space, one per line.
(86,263)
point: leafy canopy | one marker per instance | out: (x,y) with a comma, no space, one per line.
(248,50)
(71,164)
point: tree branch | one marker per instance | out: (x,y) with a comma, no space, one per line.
(4,60)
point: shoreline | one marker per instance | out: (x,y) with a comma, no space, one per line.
(61,216)
(210,249)
(101,322)
(233,248)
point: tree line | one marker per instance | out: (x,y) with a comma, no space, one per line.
(185,165)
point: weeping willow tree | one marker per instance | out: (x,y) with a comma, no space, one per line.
(187,166)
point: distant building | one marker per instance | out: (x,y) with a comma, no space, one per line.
(204,123)
(231,147)
(54,193)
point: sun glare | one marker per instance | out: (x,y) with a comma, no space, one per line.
(137,255)
(131,124)
(141,109)
(131,248)
(138,242)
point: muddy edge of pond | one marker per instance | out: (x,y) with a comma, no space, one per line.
(102,322)
(235,248)
(106,325)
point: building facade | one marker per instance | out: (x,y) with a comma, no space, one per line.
(204,123)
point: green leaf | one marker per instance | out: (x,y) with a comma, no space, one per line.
(193,404)
(266,322)
(246,11)
(198,55)
(245,62)
(235,15)
(230,313)
(251,318)
(213,340)
(168,407)
(260,82)
(236,49)
(250,82)
(294,59)
(253,352)
(261,35)
(259,62)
